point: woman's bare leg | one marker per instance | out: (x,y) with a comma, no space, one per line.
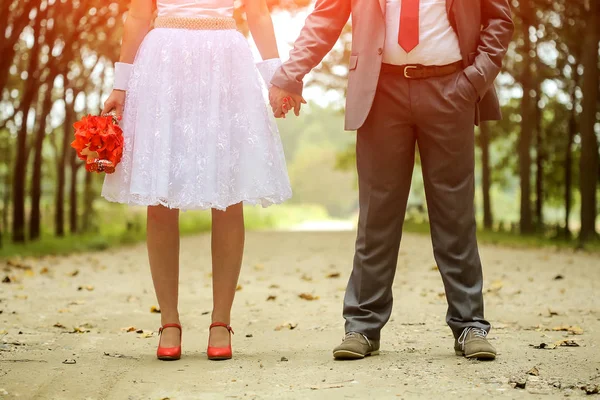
(228,235)
(163,253)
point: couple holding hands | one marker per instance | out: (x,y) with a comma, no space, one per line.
(197,135)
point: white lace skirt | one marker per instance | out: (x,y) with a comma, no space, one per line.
(197,130)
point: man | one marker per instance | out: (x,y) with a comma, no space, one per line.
(421,73)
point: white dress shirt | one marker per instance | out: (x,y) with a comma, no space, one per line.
(438,43)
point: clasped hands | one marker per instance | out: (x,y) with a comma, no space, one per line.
(283,102)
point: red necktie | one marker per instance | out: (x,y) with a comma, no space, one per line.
(408,36)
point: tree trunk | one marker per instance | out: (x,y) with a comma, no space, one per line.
(73,225)
(8,46)
(7,187)
(589,143)
(569,167)
(36,179)
(88,202)
(486,175)
(20,167)
(539,161)
(527,117)
(59,217)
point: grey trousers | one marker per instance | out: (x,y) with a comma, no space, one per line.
(437,114)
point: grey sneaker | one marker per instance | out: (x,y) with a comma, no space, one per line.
(356,346)
(472,343)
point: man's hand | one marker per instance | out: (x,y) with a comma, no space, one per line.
(283,101)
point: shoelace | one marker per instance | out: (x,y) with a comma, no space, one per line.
(357,334)
(477,332)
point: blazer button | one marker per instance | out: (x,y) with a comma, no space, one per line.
(380,51)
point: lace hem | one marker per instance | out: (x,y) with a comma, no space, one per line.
(141,200)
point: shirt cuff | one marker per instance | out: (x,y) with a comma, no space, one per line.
(267,69)
(122,74)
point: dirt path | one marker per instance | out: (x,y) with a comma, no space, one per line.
(528,293)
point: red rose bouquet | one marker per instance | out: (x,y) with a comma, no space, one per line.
(99,142)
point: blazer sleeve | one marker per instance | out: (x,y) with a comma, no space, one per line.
(495,37)
(320,32)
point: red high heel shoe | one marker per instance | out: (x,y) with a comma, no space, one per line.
(169,353)
(220,353)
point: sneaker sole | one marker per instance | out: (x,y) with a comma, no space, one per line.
(351,355)
(482,355)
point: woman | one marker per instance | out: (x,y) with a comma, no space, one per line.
(197,136)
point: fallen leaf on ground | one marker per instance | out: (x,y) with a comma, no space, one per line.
(544,346)
(74,273)
(567,343)
(271,298)
(146,335)
(69,361)
(558,277)
(575,330)
(44,271)
(117,355)
(495,286)
(334,386)
(534,371)
(519,382)
(238,288)
(79,329)
(129,329)
(155,310)
(18,265)
(287,325)
(333,275)
(59,325)
(89,288)
(139,331)
(6,279)
(591,389)
(284,359)
(308,296)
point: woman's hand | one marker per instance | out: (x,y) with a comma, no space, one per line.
(115,102)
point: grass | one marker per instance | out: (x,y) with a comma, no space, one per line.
(120,226)
(508,239)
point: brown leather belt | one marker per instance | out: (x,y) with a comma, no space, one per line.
(416,71)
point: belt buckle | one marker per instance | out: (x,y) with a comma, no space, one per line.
(406,68)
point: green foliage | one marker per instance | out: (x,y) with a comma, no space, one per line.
(122,225)
(311,144)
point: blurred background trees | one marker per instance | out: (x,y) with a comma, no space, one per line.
(56,62)
(545,151)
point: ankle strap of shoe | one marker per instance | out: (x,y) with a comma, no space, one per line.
(165,326)
(222,325)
